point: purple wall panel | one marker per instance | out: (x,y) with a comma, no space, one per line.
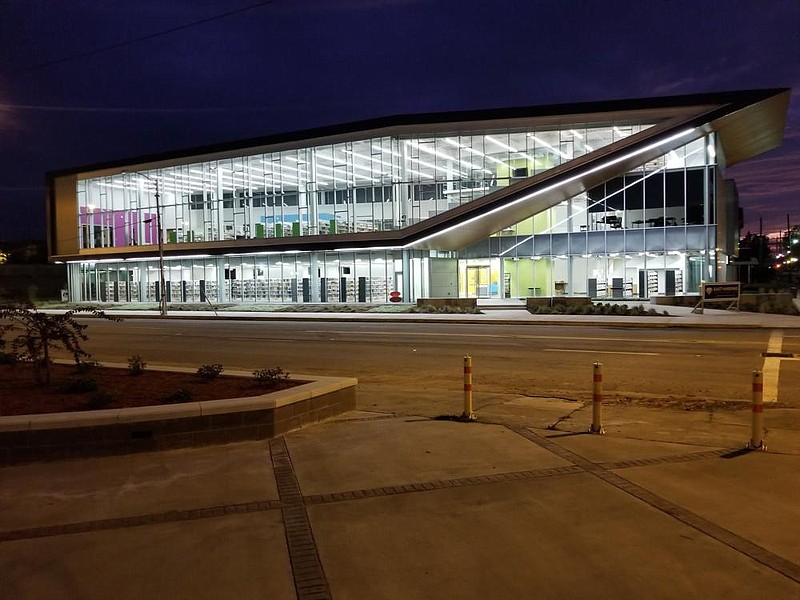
(124,223)
(120,233)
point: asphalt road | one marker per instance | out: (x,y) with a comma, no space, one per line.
(638,363)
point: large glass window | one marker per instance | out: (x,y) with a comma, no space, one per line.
(359,186)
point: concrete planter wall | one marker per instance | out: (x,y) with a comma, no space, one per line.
(29,438)
(467,303)
(557,301)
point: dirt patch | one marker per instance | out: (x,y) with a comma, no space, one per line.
(677,403)
(115,388)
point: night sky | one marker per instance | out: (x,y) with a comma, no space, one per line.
(87,81)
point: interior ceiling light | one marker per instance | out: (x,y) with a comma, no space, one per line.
(433,166)
(539,140)
(371,158)
(389,150)
(509,148)
(478,152)
(501,144)
(446,156)
(354,174)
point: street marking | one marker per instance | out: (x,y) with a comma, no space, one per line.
(601,351)
(772,366)
(775,341)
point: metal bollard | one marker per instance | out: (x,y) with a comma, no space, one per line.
(757,438)
(468,414)
(597,400)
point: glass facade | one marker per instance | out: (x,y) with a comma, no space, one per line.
(352,187)
(650,230)
(257,278)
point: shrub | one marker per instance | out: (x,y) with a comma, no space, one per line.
(179,395)
(270,377)
(209,372)
(79,385)
(136,365)
(37,334)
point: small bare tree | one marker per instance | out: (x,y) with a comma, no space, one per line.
(35,334)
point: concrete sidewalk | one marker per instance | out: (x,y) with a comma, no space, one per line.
(388,502)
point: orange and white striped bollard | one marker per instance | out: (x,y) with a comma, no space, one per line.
(468,414)
(597,400)
(757,437)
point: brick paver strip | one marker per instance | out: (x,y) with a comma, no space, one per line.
(662,460)
(137,521)
(309,577)
(722,535)
(427,486)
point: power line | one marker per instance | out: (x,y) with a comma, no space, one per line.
(140,39)
(127,109)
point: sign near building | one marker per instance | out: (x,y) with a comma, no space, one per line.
(728,292)
(722,292)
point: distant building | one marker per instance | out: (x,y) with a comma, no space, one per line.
(608,199)
(25,274)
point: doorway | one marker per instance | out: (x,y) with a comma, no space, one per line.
(478,282)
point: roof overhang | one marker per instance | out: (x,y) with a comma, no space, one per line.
(752,129)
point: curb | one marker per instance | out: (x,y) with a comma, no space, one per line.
(657,321)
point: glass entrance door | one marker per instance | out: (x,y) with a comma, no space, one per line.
(477,282)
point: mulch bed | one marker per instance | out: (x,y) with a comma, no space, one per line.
(116,388)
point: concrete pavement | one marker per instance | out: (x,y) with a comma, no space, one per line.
(390,502)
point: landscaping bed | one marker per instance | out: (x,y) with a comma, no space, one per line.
(117,388)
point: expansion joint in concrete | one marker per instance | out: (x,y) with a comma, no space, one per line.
(720,534)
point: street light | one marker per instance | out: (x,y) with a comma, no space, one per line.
(162,304)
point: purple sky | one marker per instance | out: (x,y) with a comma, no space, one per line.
(85,81)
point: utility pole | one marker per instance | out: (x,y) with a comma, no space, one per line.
(163,296)
(162,300)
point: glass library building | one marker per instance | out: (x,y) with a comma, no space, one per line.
(620,199)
